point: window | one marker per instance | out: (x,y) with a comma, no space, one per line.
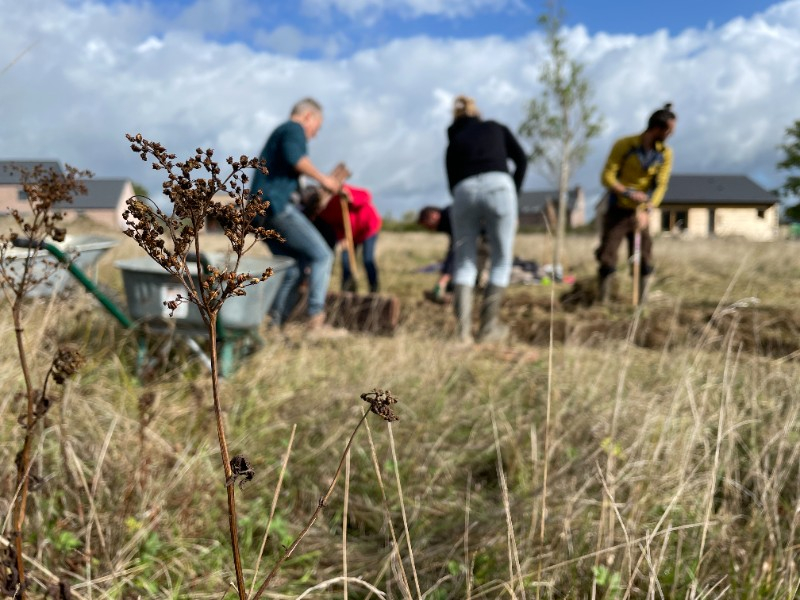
(761,212)
(674,220)
(21,195)
(681,220)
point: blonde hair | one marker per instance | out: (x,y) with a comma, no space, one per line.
(464,106)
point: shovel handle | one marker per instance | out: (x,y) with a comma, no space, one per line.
(637,261)
(348,233)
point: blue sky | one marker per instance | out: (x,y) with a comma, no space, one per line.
(364,23)
(76,75)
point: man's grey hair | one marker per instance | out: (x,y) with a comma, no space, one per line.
(306,105)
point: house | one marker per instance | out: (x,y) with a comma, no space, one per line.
(103,201)
(10,190)
(717,205)
(540,208)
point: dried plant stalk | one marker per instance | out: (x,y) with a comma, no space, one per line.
(173,241)
(45,190)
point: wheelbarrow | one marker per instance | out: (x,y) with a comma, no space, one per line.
(81,251)
(147,286)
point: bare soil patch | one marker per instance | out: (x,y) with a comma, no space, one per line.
(664,323)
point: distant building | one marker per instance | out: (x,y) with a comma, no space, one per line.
(103,202)
(540,208)
(717,205)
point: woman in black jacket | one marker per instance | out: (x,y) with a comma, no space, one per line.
(484,198)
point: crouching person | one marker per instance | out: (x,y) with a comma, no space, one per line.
(364,223)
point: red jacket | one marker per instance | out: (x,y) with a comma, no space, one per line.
(364,218)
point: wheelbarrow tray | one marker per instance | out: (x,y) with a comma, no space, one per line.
(148,286)
(85,251)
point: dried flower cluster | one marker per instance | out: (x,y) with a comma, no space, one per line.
(380,403)
(172,240)
(45,190)
(240,468)
(67,361)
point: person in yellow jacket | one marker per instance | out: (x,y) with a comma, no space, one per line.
(636,175)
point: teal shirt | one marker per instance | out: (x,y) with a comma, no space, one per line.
(285,146)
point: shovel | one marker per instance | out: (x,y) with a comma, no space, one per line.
(349,245)
(637,264)
(636,258)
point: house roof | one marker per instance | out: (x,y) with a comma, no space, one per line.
(737,190)
(535,201)
(9,176)
(100,193)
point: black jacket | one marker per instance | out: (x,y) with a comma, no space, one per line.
(478,146)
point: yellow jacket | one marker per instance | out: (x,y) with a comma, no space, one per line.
(636,169)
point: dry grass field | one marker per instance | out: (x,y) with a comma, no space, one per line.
(602,453)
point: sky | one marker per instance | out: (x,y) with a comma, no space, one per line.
(77,75)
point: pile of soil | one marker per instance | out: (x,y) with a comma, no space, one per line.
(758,329)
(664,323)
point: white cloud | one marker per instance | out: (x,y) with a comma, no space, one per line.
(150,44)
(98,72)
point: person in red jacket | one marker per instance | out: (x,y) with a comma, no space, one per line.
(365,223)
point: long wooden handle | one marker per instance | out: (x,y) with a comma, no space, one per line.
(637,264)
(348,234)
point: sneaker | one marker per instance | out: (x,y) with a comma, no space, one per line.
(318,329)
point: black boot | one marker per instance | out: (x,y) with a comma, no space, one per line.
(492,330)
(462,303)
(606,278)
(644,282)
(642,289)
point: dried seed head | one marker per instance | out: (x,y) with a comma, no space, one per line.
(59,234)
(46,191)
(66,363)
(240,467)
(380,403)
(194,187)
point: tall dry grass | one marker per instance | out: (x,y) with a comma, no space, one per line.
(672,470)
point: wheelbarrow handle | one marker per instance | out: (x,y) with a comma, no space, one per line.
(88,284)
(24,242)
(191,257)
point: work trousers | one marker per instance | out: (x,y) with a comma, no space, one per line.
(485,202)
(618,224)
(307,246)
(368,257)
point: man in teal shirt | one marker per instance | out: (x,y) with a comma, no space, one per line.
(286,158)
